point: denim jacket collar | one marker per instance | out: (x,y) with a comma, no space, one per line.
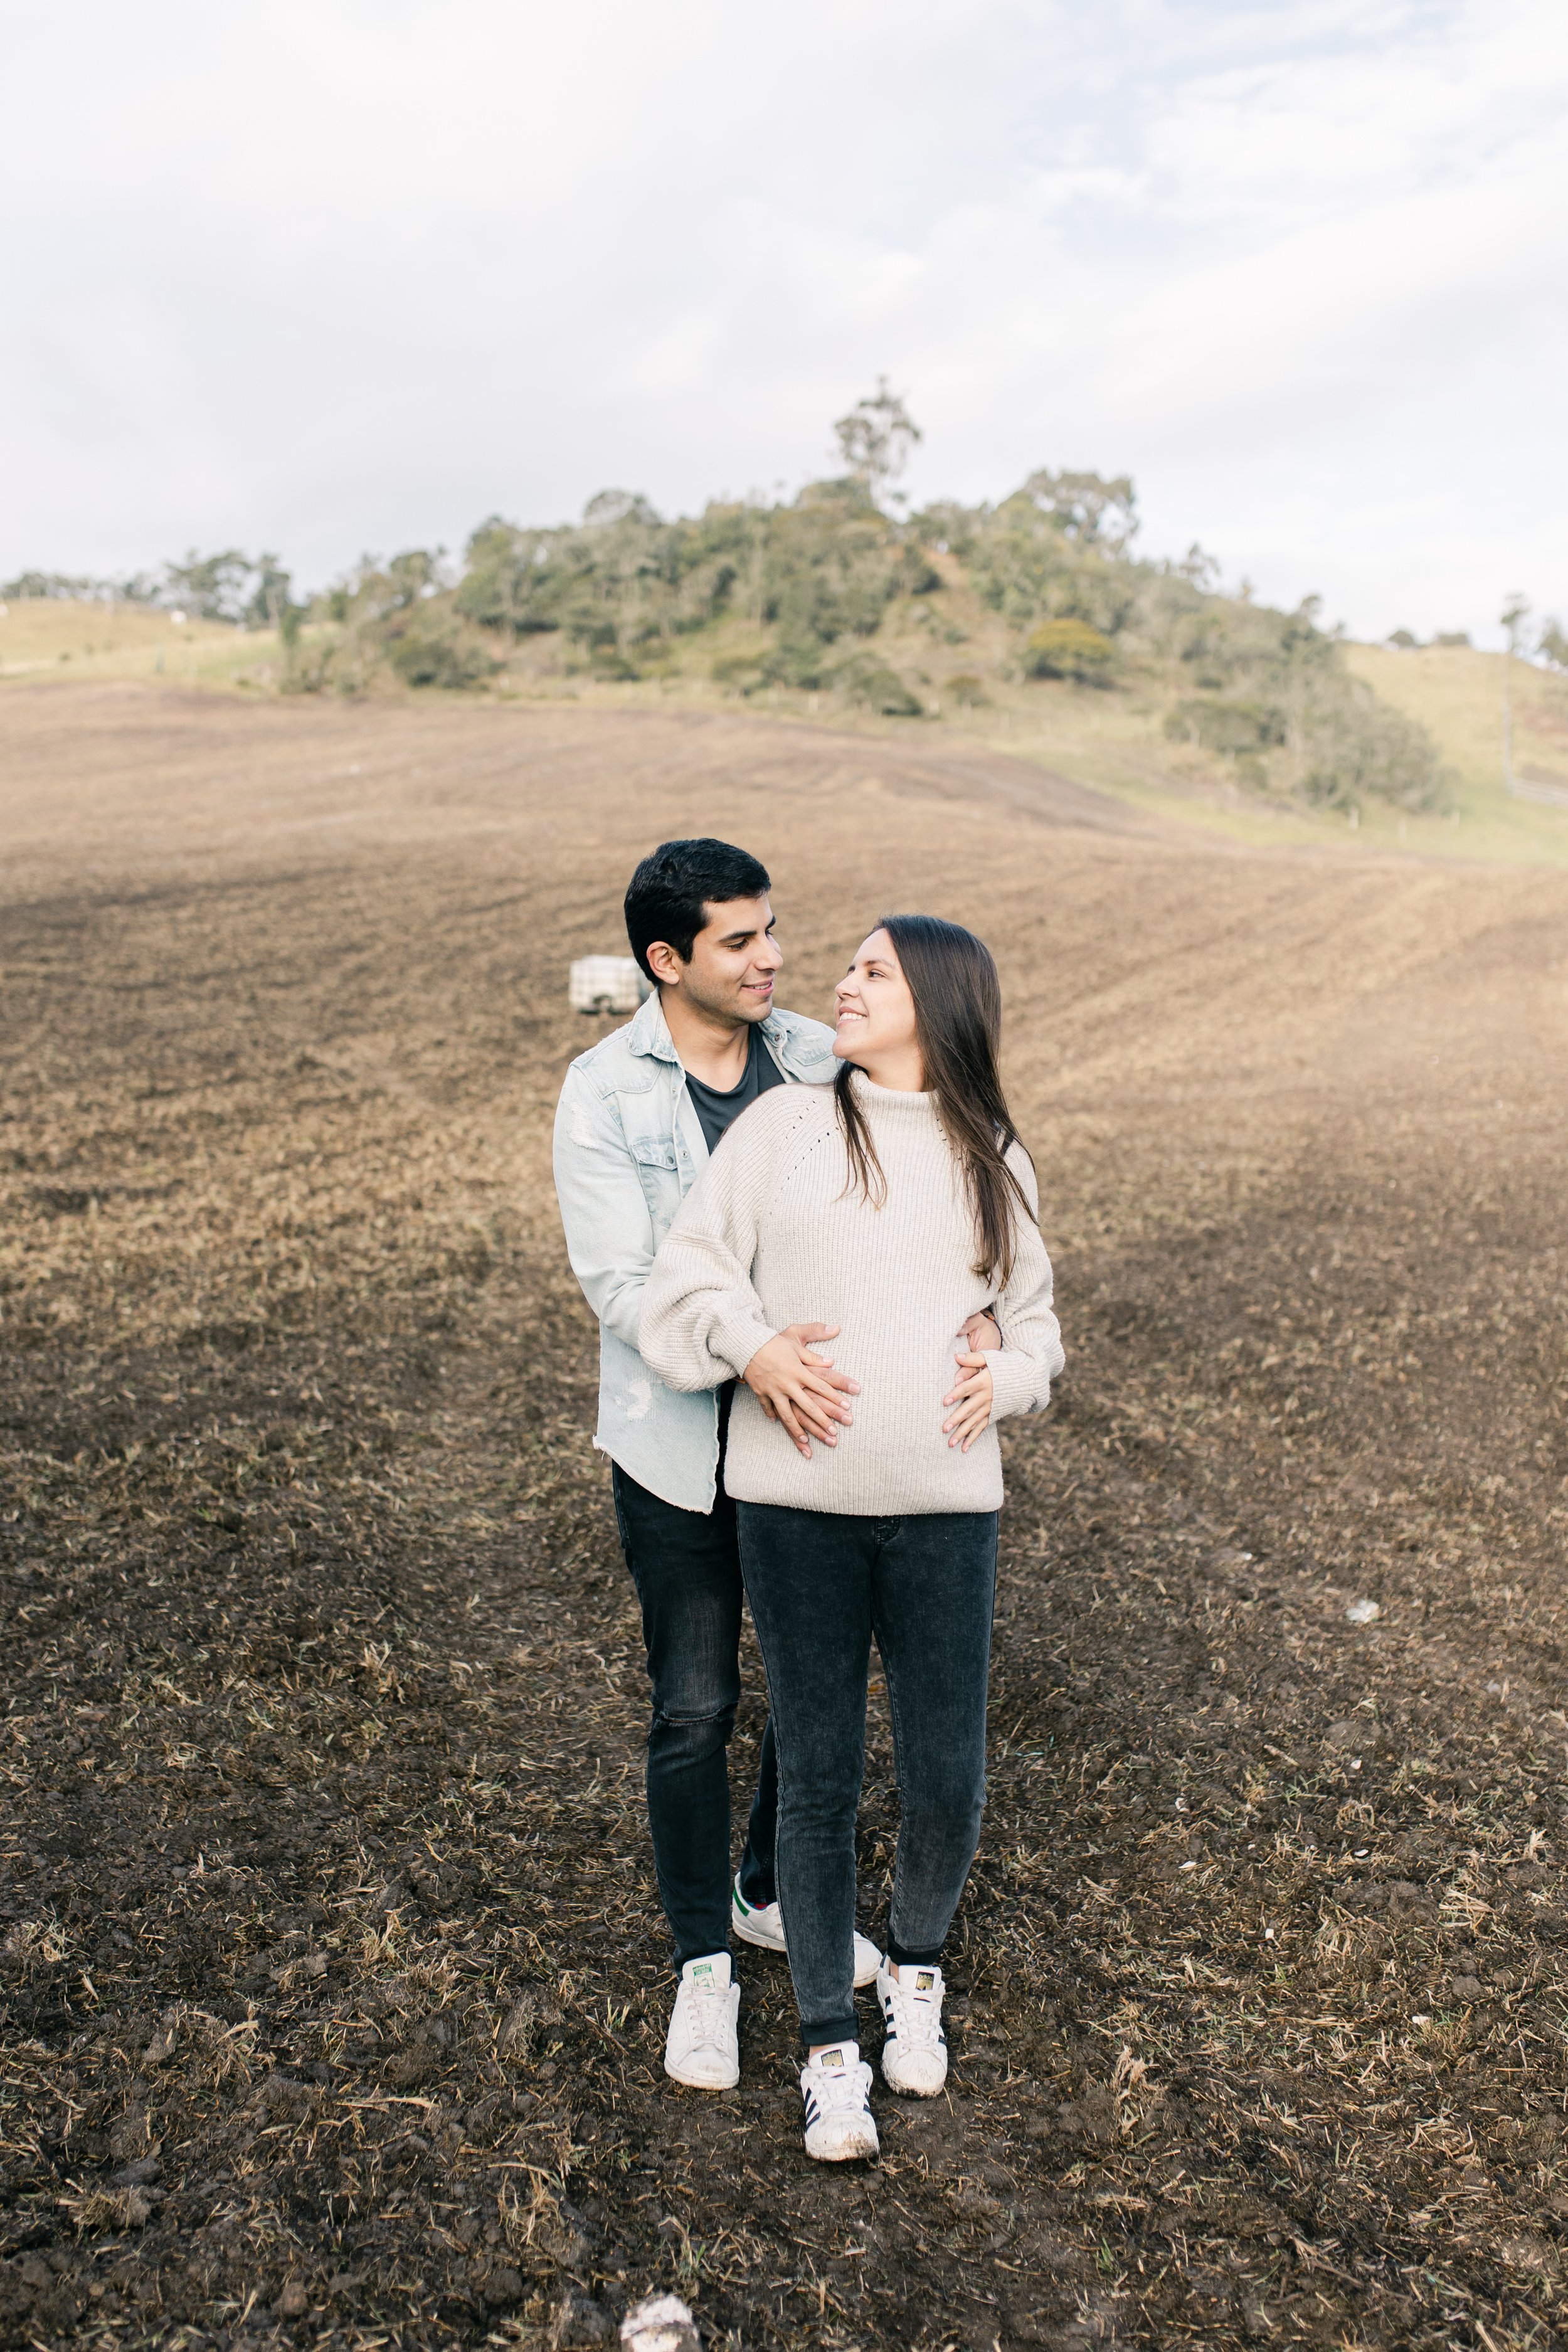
(793,1041)
(650,1031)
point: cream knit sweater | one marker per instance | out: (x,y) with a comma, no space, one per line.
(771,1234)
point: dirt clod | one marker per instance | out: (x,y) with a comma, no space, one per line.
(580,2322)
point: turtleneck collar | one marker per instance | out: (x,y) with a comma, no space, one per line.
(891,1101)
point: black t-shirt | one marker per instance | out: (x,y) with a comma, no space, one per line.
(718,1111)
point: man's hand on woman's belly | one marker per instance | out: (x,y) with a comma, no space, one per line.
(796,1386)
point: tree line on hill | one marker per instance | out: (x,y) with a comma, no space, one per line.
(804,596)
(248,591)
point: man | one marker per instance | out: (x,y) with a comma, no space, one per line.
(639,1114)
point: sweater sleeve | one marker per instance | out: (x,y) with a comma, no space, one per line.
(701,1321)
(1030,1355)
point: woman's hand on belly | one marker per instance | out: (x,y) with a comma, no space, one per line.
(972,1396)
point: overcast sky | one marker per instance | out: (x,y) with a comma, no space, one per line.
(354,274)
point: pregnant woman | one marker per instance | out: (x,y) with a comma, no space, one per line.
(897,1202)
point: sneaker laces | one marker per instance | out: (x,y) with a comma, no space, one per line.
(707,2012)
(707,2005)
(840,2090)
(919,2014)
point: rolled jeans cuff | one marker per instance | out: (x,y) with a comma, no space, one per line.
(824,2031)
(905,1957)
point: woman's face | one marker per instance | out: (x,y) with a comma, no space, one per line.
(876,1013)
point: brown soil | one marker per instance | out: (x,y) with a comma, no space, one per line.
(333,1979)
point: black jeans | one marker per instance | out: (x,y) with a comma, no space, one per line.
(687,1572)
(820,1584)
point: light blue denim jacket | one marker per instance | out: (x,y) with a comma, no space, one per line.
(628,1147)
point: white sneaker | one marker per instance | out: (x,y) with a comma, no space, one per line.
(914,2054)
(835,2085)
(762,1924)
(702,2048)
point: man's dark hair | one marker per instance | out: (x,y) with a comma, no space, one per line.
(668,895)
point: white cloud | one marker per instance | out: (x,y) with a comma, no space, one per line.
(356,274)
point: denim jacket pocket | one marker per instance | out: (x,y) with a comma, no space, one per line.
(658,1174)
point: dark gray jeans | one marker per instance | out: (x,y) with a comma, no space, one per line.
(820,1584)
(688,1575)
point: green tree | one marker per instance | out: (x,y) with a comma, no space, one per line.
(1086,506)
(214,587)
(140,588)
(875,440)
(1024,563)
(271,603)
(832,563)
(1069,649)
(1515,613)
(250,592)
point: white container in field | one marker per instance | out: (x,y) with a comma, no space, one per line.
(608,984)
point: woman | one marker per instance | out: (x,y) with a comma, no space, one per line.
(896,1202)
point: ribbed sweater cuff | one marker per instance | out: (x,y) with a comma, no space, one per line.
(735,1343)
(1015,1377)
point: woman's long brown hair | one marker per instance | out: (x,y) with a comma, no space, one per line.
(958,1026)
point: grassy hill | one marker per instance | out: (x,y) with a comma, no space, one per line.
(1456,693)
(67,638)
(1030,625)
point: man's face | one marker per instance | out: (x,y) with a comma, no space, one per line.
(733,959)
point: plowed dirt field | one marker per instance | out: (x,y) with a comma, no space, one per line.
(333,1981)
